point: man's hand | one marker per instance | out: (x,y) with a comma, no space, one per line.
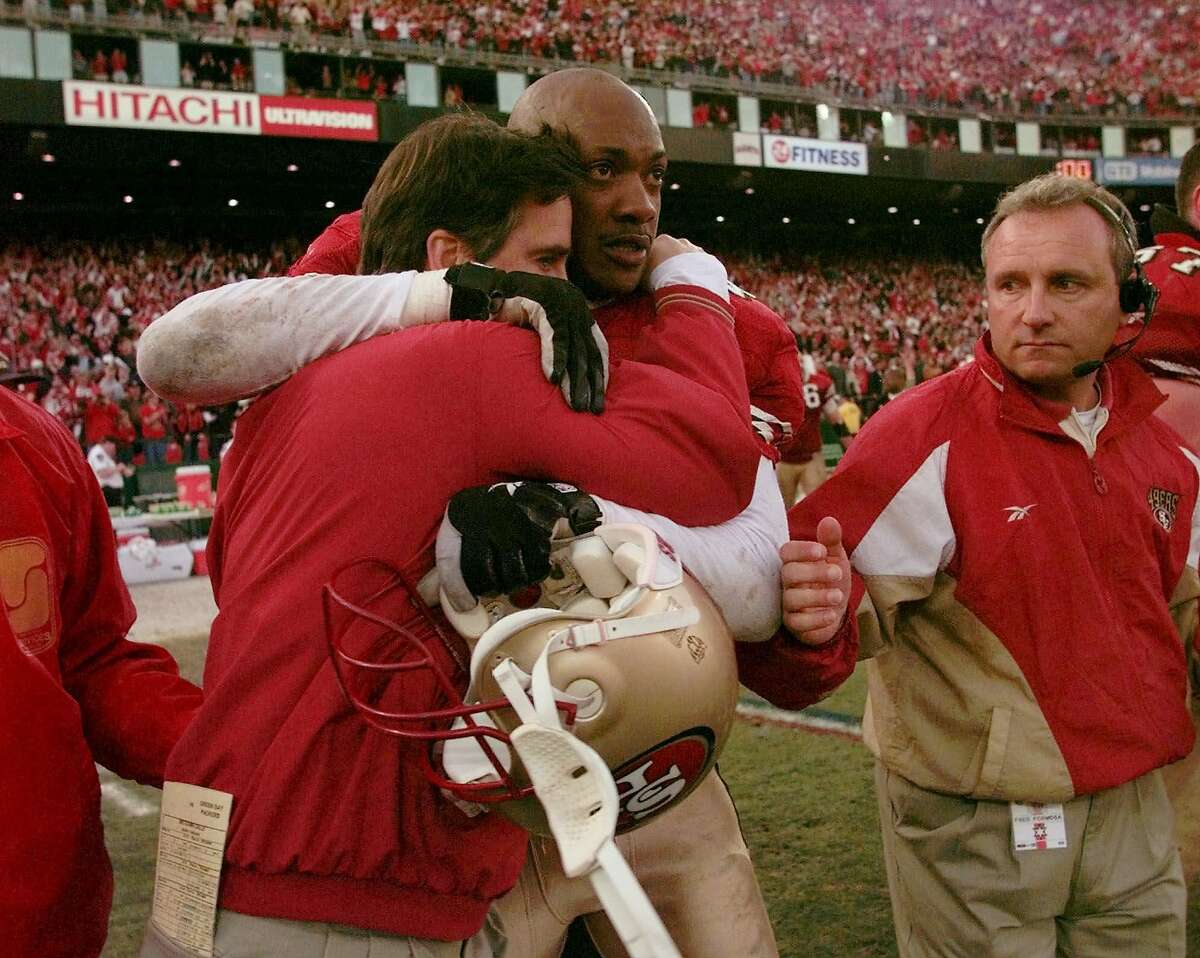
(496,538)
(664,247)
(574,351)
(816,584)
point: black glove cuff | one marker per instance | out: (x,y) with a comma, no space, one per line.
(477,292)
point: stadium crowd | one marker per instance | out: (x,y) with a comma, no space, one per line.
(860,316)
(1028,56)
(75,312)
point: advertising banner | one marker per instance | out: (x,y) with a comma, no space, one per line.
(158,108)
(216,111)
(747,149)
(1139,171)
(319,119)
(819,156)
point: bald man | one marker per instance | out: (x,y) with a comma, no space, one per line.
(692,861)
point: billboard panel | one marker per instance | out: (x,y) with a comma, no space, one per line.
(157,108)
(818,156)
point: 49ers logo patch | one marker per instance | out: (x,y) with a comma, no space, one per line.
(660,776)
(1164,505)
(25,588)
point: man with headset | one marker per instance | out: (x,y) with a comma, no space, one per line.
(1018,540)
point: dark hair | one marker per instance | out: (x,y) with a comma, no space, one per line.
(464,174)
(1189,179)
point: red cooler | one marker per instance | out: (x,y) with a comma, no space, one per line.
(193,486)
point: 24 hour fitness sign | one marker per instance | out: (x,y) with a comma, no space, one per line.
(215,111)
(818,156)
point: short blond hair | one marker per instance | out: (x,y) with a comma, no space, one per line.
(1053,191)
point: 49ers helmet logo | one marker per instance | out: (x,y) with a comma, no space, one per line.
(661,776)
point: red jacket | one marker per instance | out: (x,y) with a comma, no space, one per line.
(1029,632)
(73,691)
(768,346)
(1173,265)
(354,457)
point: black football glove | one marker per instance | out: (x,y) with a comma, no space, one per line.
(574,351)
(496,539)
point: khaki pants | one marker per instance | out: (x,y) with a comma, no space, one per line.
(691,861)
(959,889)
(800,479)
(247,936)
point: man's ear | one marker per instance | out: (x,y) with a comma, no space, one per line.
(443,249)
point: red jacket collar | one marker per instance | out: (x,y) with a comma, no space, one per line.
(1129,394)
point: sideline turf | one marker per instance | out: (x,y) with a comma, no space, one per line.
(807,809)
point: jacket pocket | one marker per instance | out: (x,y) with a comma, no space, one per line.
(986,782)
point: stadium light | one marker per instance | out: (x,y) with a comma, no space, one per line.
(749,190)
(1145,207)
(787,219)
(674,186)
(18,197)
(916,222)
(892,209)
(979,220)
(48,157)
(330,204)
(720,219)
(126,198)
(174,164)
(851,221)
(293,168)
(233,202)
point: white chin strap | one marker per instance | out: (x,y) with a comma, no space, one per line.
(579,797)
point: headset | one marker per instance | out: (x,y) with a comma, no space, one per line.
(1135,293)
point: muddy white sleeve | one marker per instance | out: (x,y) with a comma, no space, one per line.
(237,340)
(737,561)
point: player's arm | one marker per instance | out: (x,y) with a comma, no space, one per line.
(498,539)
(737,562)
(688,283)
(238,340)
(872,538)
(132,701)
(776,387)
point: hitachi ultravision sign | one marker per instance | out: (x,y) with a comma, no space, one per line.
(818,156)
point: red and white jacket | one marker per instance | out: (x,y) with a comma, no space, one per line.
(1029,606)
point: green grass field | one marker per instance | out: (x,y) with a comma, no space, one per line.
(807,807)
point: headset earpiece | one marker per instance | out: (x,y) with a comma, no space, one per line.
(1135,293)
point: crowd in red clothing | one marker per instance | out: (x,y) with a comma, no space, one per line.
(1027,56)
(860,315)
(73,313)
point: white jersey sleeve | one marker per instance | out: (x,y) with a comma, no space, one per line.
(737,561)
(237,340)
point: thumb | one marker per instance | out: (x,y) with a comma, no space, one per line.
(829,534)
